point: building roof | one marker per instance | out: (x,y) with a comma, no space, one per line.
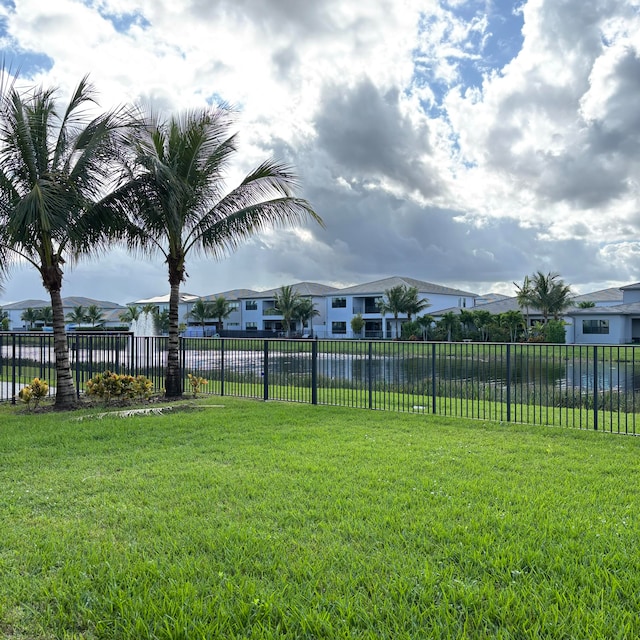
(184,297)
(302,288)
(233,294)
(614,294)
(69,302)
(629,309)
(378,287)
(497,307)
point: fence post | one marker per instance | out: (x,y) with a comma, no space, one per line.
(370,373)
(183,358)
(265,375)
(13,369)
(76,360)
(595,388)
(433,377)
(221,366)
(314,372)
(508,382)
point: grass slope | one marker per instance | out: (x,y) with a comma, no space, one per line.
(266,520)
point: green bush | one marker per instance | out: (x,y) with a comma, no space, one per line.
(108,386)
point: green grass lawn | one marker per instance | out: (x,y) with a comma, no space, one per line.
(270,520)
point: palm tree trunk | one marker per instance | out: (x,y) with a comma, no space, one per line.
(65,389)
(173,380)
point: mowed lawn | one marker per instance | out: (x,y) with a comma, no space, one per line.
(244,519)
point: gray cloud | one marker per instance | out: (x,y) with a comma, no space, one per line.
(364,134)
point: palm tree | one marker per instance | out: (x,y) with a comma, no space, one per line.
(305,311)
(94,315)
(30,316)
(55,165)
(394,302)
(449,322)
(412,304)
(78,316)
(286,303)
(177,203)
(200,312)
(131,314)
(524,296)
(45,315)
(512,320)
(221,309)
(549,295)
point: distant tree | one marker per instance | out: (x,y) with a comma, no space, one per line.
(482,320)
(450,323)
(357,325)
(45,315)
(394,303)
(426,322)
(549,295)
(77,316)
(221,309)
(304,312)
(466,322)
(586,304)
(413,304)
(161,320)
(30,316)
(201,311)
(512,320)
(524,296)
(131,314)
(4,319)
(286,303)
(95,315)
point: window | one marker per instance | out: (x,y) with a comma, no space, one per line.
(233,306)
(339,327)
(251,305)
(252,326)
(338,303)
(595,326)
(233,324)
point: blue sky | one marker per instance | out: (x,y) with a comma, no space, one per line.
(466,143)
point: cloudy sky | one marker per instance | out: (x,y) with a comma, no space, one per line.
(462,142)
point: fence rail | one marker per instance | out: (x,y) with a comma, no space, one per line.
(589,387)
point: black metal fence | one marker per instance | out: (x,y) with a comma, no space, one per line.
(589,387)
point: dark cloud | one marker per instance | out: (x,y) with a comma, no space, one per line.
(364,134)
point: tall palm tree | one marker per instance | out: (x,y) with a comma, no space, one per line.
(394,302)
(286,304)
(305,311)
(221,309)
(55,164)
(178,206)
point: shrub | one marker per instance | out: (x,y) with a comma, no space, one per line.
(196,383)
(34,392)
(110,385)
